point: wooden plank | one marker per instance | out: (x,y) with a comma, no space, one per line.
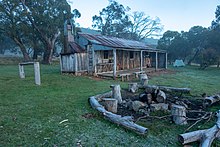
(21,71)
(115,63)
(141,62)
(37,73)
(26,63)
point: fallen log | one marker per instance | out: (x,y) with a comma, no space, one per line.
(126,121)
(166,89)
(209,100)
(206,137)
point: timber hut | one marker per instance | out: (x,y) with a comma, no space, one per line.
(110,56)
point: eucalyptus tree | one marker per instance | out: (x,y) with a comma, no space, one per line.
(12,26)
(47,18)
(143,26)
(112,20)
(116,20)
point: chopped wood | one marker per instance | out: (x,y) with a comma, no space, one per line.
(116,93)
(143,79)
(132,87)
(159,106)
(110,104)
(167,89)
(125,121)
(209,100)
(179,114)
(161,96)
(205,137)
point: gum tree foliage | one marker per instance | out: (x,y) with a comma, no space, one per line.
(46,18)
(112,20)
(115,20)
(35,24)
(184,45)
(165,43)
(12,24)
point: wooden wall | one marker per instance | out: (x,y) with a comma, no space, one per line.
(74,62)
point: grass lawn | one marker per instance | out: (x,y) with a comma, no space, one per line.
(30,115)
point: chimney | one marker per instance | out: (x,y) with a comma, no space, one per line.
(70,36)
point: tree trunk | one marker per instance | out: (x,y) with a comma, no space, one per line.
(205,137)
(48,53)
(195,55)
(23,49)
(47,58)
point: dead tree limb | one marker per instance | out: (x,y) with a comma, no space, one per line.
(126,121)
(205,137)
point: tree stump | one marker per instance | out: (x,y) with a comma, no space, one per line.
(143,79)
(161,96)
(116,93)
(110,104)
(132,87)
(179,114)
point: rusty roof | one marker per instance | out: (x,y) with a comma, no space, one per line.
(116,42)
(75,48)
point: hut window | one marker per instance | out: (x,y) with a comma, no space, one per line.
(105,54)
(131,55)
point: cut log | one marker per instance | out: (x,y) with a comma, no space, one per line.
(179,114)
(116,93)
(161,97)
(166,89)
(160,106)
(110,104)
(209,100)
(126,121)
(205,137)
(143,79)
(132,87)
(136,105)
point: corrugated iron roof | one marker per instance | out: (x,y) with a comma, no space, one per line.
(116,42)
(75,48)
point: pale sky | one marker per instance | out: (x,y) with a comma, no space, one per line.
(175,15)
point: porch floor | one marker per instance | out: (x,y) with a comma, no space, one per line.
(130,74)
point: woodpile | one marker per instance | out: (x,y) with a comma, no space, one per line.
(181,109)
(125,121)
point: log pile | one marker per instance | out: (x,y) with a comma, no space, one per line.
(156,98)
(125,121)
